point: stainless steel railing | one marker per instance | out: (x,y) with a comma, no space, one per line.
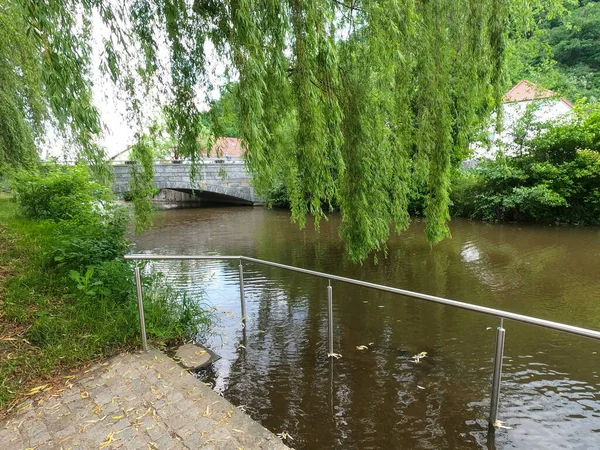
(500,331)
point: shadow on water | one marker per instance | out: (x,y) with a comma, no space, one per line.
(277,367)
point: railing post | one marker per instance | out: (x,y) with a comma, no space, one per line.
(242,299)
(138,286)
(497,378)
(330,316)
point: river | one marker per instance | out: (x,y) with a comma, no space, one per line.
(277,368)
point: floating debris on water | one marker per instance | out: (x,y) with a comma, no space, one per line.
(500,425)
(284,435)
(417,358)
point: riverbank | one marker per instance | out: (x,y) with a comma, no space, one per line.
(135,401)
(26,293)
(67,296)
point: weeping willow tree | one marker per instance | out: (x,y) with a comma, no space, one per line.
(22,108)
(378,96)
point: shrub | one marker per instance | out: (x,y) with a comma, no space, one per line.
(59,193)
(558,142)
(523,189)
(278,196)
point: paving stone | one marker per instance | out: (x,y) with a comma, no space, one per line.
(168,410)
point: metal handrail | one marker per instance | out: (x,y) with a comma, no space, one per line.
(500,331)
(431,298)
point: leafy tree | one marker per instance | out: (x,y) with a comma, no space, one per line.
(375,93)
(22,107)
(224,114)
(576,49)
(563,52)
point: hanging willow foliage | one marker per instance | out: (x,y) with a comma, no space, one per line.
(352,103)
(386,95)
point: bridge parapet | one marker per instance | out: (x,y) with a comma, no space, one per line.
(226,181)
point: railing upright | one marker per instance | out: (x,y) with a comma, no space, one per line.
(138,286)
(242,298)
(330,317)
(497,377)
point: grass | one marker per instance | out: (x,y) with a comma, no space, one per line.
(54,321)
(24,294)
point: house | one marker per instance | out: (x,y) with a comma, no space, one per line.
(525,98)
(224,149)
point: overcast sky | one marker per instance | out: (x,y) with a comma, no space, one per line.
(119,130)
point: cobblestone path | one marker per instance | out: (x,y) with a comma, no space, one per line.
(134,401)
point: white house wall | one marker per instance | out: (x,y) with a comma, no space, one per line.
(546,110)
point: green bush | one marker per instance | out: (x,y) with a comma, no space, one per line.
(278,196)
(59,193)
(77,245)
(522,188)
(558,142)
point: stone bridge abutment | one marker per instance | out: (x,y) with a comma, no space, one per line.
(224,182)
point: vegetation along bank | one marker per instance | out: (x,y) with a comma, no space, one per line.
(66,294)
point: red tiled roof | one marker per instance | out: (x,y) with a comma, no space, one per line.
(231,147)
(525,90)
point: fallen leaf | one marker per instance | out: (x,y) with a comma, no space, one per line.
(284,435)
(24,406)
(109,439)
(500,424)
(37,389)
(417,358)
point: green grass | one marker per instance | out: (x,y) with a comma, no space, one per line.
(54,320)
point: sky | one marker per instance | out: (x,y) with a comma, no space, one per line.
(119,130)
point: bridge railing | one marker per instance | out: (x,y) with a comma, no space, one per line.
(500,314)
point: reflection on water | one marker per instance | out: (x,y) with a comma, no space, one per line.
(379,398)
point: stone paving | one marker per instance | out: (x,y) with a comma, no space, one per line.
(134,401)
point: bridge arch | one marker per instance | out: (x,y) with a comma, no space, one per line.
(227,182)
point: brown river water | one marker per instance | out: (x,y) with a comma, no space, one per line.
(379,398)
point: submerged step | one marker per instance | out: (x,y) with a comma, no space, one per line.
(194,356)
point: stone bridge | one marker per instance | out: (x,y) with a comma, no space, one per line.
(217,181)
